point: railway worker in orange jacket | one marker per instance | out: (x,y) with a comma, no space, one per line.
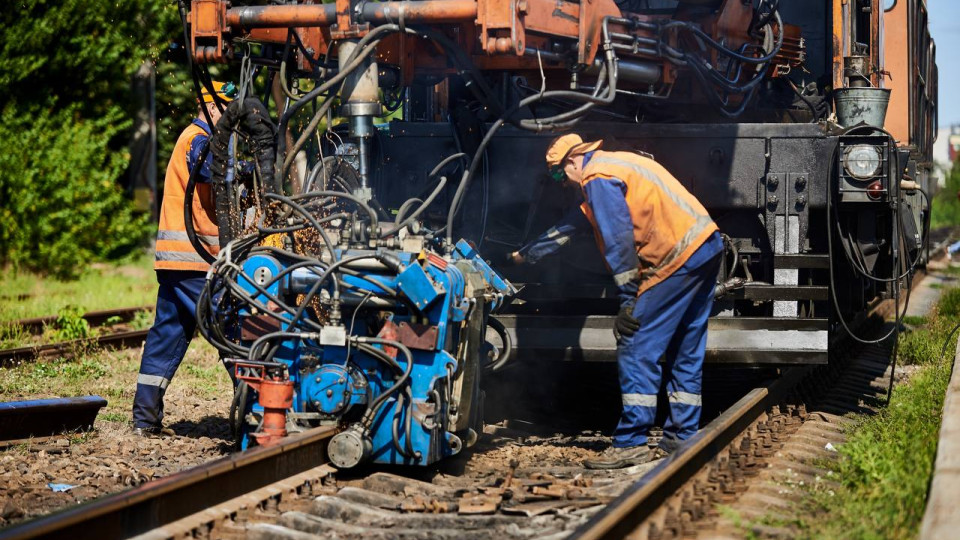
(664,252)
(180,270)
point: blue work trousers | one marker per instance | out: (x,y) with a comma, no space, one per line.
(167,342)
(673,322)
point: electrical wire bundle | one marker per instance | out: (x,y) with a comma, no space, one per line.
(725,80)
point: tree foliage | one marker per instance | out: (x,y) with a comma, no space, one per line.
(65,103)
(62,206)
(946,204)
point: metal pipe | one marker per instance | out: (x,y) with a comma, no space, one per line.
(307,15)
(635,71)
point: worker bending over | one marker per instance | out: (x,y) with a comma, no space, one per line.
(664,252)
(180,269)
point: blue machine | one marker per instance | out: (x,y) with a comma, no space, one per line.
(384,343)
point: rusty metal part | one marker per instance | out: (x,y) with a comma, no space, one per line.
(255,326)
(43,417)
(792,54)
(503,25)
(418,336)
(121,340)
(478,504)
(35,325)
(301,16)
(276,397)
(168,499)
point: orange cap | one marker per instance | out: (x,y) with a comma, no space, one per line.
(568,145)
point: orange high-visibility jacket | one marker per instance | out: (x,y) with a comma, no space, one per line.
(174,251)
(669,223)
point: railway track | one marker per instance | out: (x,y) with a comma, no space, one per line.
(514,485)
(114,340)
(66,349)
(36,325)
(29,421)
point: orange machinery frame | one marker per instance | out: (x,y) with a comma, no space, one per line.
(495,33)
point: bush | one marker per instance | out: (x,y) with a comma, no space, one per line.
(946,205)
(65,110)
(62,207)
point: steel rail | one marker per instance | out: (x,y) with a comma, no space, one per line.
(46,417)
(35,325)
(165,500)
(625,513)
(120,340)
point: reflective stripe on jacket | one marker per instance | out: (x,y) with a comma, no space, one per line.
(174,251)
(669,223)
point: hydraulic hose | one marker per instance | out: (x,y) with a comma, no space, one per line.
(507,340)
(188,195)
(251,118)
(537,126)
(365,47)
(367,420)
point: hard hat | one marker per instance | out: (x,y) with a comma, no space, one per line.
(568,145)
(226,91)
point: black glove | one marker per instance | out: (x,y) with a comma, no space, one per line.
(626,325)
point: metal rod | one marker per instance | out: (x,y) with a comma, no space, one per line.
(303,15)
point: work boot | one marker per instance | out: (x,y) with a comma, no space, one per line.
(668,445)
(619,458)
(158,431)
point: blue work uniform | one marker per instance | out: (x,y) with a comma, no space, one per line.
(673,313)
(179,290)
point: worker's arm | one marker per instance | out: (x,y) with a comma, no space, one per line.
(606,197)
(573,224)
(197,147)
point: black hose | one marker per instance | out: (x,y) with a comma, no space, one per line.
(365,46)
(507,340)
(188,195)
(813,110)
(555,122)
(371,413)
(307,216)
(250,118)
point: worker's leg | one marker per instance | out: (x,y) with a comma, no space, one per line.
(684,364)
(166,343)
(659,310)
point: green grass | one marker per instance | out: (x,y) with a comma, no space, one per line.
(102,286)
(13,335)
(112,375)
(886,464)
(38,377)
(914,320)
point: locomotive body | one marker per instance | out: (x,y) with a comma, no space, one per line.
(804,127)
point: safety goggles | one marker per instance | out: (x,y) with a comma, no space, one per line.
(229,89)
(557,172)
